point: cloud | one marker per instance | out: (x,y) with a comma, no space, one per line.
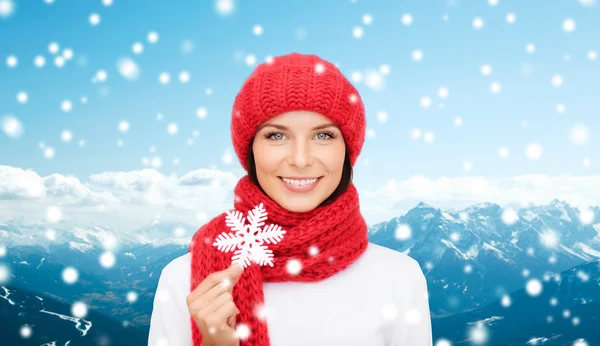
(134,181)
(69,190)
(207,177)
(149,186)
(398,196)
(17,183)
(135,197)
(117,199)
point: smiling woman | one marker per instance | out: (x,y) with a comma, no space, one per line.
(299,159)
(298,126)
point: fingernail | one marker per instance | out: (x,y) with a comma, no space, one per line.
(238,268)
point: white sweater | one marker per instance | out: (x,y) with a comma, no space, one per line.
(380,299)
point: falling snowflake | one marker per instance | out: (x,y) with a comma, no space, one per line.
(248,239)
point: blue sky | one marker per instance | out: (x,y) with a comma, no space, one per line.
(524,112)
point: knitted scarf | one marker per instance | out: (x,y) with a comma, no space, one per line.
(337,230)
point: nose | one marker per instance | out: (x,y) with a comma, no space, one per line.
(300,154)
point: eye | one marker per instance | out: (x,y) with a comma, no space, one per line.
(271,134)
(276,136)
(326,133)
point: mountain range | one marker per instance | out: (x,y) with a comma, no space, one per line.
(472,258)
(566,311)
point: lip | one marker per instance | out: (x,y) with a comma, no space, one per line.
(303,189)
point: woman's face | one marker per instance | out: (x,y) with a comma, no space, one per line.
(301,145)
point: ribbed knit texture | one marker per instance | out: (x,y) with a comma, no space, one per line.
(297,82)
(338,230)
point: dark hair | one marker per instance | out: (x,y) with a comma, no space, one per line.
(342,186)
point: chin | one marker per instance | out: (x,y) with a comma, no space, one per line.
(299,207)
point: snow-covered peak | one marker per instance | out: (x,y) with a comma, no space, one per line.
(558,203)
(163,232)
(10,228)
(561,210)
(423,205)
(17,232)
(483,208)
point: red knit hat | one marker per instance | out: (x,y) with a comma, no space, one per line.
(297,82)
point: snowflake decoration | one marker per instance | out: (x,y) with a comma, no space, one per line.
(248,239)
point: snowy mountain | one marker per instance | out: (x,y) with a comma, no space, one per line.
(50,322)
(564,312)
(145,245)
(37,261)
(17,232)
(472,257)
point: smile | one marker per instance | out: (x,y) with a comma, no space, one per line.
(300,185)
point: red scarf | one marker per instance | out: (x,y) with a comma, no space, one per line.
(338,231)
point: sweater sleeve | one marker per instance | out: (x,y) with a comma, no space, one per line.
(419,317)
(170,320)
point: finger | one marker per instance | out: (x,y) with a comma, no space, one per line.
(232,276)
(231,322)
(211,295)
(206,313)
(204,306)
(229,276)
(217,303)
(237,270)
(226,311)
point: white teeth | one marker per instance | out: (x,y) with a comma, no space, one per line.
(299,182)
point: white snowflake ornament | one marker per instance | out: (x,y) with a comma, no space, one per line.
(248,240)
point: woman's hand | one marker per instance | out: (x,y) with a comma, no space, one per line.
(212,307)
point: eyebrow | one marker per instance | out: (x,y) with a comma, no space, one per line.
(281,127)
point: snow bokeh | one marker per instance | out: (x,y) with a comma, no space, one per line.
(433,113)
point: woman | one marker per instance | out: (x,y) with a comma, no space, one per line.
(298,126)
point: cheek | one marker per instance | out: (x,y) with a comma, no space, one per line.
(264,158)
(333,158)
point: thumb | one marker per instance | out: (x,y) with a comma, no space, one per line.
(235,272)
